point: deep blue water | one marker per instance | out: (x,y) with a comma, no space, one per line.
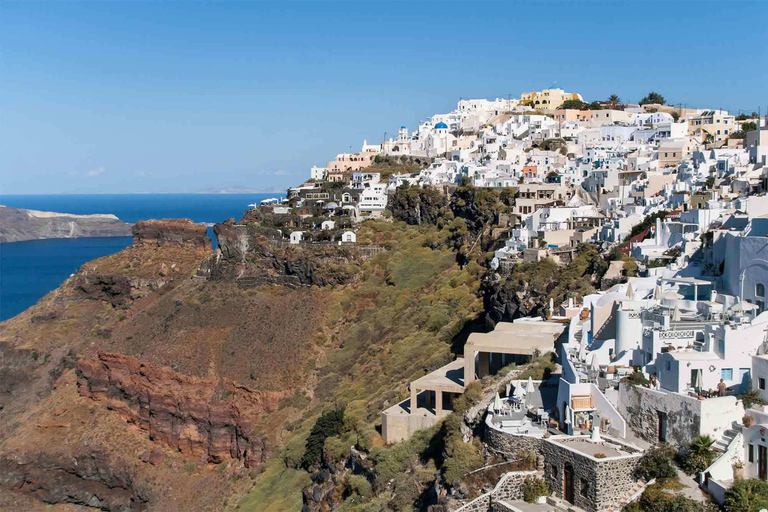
(29,270)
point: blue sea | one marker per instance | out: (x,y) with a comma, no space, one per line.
(29,270)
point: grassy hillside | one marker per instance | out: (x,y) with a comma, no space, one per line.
(393,325)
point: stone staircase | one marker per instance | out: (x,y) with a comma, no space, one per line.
(561,505)
(624,499)
(721,444)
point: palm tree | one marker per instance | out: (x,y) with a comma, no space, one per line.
(614,100)
(702,445)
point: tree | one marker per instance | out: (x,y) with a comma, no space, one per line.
(675,115)
(656,462)
(328,424)
(574,105)
(746,496)
(595,105)
(748,126)
(614,100)
(653,97)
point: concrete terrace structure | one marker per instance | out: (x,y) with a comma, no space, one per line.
(509,342)
(431,396)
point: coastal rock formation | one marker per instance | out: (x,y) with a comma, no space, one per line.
(171,231)
(198,416)
(17,225)
(249,258)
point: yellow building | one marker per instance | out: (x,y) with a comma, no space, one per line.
(712,125)
(548,99)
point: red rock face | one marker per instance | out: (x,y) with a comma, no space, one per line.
(197,416)
(172,231)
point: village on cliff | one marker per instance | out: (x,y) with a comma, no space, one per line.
(675,353)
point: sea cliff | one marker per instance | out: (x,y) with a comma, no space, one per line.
(18,225)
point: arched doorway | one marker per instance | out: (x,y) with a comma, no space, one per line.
(568,483)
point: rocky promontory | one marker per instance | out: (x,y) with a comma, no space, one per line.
(18,225)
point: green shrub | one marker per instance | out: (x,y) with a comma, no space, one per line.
(746,496)
(751,398)
(359,485)
(661,497)
(657,462)
(534,487)
(460,458)
(636,378)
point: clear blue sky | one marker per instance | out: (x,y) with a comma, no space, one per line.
(187,96)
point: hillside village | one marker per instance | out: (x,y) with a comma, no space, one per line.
(674,352)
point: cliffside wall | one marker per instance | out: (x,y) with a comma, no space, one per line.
(249,258)
(197,416)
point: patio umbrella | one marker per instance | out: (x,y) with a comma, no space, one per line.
(529,387)
(593,364)
(583,349)
(657,293)
(518,390)
(595,437)
(696,379)
(497,403)
(676,314)
(508,388)
(630,291)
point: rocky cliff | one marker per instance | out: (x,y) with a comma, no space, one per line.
(212,417)
(248,257)
(17,224)
(171,232)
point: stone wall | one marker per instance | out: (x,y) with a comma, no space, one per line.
(597,482)
(641,407)
(509,487)
(509,446)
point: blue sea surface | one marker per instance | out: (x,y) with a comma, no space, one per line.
(29,270)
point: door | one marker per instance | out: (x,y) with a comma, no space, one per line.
(662,426)
(568,483)
(761,461)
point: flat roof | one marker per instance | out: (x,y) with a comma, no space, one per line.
(447,378)
(686,280)
(524,338)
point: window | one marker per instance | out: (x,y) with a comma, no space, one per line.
(726,374)
(669,365)
(761,383)
(760,290)
(721,346)
(584,486)
(751,453)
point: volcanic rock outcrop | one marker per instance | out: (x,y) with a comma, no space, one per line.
(88,479)
(197,416)
(171,231)
(249,258)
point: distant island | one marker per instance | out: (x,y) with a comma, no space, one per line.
(18,225)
